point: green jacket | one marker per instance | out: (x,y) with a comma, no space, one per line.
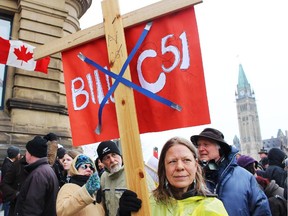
(192,206)
(113,186)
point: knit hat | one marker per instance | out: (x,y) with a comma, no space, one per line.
(12,152)
(107,147)
(51,137)
(37,147)
(213,134)
(245,160)
(83,159)
(61,152)
(276,157)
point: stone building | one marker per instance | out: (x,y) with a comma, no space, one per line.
(280,141)
(34,103)
(250,141)
(248,119)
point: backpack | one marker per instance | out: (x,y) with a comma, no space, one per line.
(278,205)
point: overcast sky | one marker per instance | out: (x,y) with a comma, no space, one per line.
(253,33)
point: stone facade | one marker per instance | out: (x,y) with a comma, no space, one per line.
(250,141)
(35,103)
(280,141)
(248,119)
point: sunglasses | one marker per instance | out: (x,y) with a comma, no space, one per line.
(85,166)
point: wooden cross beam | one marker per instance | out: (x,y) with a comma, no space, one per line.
(141,15)
(113,26)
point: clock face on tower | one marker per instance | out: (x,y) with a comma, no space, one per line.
(242,92)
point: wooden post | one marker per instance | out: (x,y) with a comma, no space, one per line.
(125,106)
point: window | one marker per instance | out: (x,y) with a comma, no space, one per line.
(5,26)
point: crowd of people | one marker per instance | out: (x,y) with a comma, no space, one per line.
(201,176)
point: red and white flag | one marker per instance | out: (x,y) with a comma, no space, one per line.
(18,54)
(155,152)
(168,63)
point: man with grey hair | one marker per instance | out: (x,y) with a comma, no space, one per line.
(113,180)
(235,186)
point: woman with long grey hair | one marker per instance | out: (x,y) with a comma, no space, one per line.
(182,189)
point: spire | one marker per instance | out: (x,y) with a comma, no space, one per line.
(243,87)
(242,80)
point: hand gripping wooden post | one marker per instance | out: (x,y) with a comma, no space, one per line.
(125,105)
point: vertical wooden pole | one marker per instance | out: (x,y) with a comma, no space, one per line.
(125,106)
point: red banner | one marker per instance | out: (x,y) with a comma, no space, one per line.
(168,63)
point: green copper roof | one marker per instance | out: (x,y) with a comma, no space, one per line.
(242,80)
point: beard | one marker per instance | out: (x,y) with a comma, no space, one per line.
(115,168)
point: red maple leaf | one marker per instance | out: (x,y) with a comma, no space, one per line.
(22,54)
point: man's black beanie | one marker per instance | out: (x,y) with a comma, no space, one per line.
(107,147)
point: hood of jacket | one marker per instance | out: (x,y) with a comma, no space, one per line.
(78,159)
(276,157)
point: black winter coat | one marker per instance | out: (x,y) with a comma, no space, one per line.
(39,191)
(12,181)
(7,163)
(274,172)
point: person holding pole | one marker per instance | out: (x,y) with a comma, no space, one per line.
(113,181)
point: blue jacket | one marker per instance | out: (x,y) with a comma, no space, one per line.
(238,189)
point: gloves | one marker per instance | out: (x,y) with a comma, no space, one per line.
(99,196)
(93,184)
(129,203)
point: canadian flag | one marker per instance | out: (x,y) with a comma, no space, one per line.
(155,152)
(18,54)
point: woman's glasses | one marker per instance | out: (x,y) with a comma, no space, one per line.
(86,166)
